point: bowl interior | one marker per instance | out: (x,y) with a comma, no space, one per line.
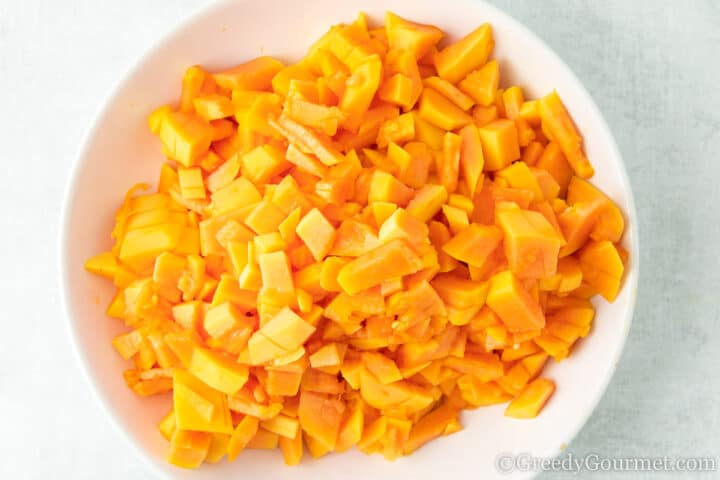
(120,151)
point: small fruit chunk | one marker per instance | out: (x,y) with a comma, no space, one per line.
(531,400)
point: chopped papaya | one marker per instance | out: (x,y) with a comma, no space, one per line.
(351,249)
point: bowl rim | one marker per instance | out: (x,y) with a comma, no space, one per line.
(80,158)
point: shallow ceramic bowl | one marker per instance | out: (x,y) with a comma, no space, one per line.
(120,151)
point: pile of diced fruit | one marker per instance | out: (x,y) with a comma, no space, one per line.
(350,250)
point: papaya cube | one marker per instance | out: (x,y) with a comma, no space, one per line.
(534,363)
(483,366)
(531,400)
(282,425)
(264,162)
(329,270)
(448,170)
(218,447)
(265,218)
(400,394)
(155,120)
(227,290)
(450,91)
(166,273)
(602,268)
(517,309)
(189,449)
(167,426)
(264,440)
(191,183)
(441,112)
(414,171)
(457,218)
(262,350)
(396,130)
(305,161)
(239,193)
(384,187)
(397,433)
(104,264)
(276,273)
(459,292)
(372,434)
(478,393)
(297,73)
(257,74)
(289,224)
(482,84)
(519,175)
(286,329)
(553,346)
(553,161)
(218,371)
(198,406)
(140,247)
(531,243)
(474,244)
(381,211)
(241,436)
(360,88)
(291,448)
(128,344)
(414,37)
(577,223)
(398,89)
(610,223)
(268,243)
(279,382)
(547,183)
(382,367)
(394,259)
(570,274)
(329,355)
(403,225)
(471,158)
(220,319)
(314,446)
(354,238)
(185,137)
(350,430)
(430,426)
(213,107)
(187,314)
(322,117)
(499,144)
(317,233)
(255,120)
(320,417)
(427,202)
(455,61)
(307,140)
(557,123)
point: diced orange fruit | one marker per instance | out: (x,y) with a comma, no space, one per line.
(351,249)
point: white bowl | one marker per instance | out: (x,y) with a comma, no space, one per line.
(119,151)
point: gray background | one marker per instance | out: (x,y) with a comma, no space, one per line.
(651,67)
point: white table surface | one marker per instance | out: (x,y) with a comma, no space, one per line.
(648,64)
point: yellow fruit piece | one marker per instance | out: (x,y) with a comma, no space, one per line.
(198,406)
(189,449)
(467,54)
(185,137)
(218,371)
(317,233)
